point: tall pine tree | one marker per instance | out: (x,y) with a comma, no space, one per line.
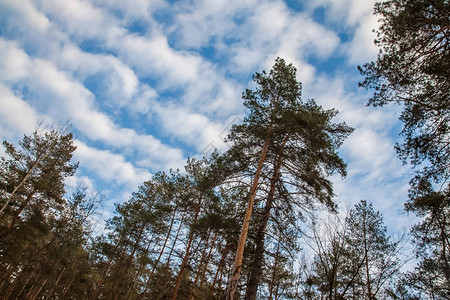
(284,141)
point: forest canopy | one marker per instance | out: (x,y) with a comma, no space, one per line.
(259,220)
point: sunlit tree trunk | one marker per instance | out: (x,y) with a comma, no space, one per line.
(22,289)
(69,285)
(134,281)
(202,270)
(163,248)
(121,277)
(168,259)
(50,293)
(175,240)
(38,290)
(233,282)
(256,267)
(25,178)
(366,252)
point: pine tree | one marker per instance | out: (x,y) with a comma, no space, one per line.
(43,233)
(431,277)
(282,140)
(413,69)
(124,252)
(355,259)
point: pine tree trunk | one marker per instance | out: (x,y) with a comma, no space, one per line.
(187,252)
(39,290)
(8,271)
(30,291)
(219,268)
(274,273)
(256,267)
(114,276)
(50,293)
(277,290)
(233,283)
(199,271)
(141,267)
(69,285)
(128,262)
(444,255)
(206,265)
(16,216)
(30,277)
(19,211)
(147,284)
(21,290)
(174,243)
(366,252)
(11,288)
(172,249)
(105,271)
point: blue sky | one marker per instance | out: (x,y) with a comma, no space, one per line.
(148,83)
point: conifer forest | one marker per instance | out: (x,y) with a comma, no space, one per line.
(259,220)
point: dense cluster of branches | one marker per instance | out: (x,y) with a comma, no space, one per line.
(413,70)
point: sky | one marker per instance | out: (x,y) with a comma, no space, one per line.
(146,84)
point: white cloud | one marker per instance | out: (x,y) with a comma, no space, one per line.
(371,153)
(15,63)
(62,97)
(200,22)
(76,102)
(361,48)
(81,19)
(73,181)
(346,12)
(16,116)
(110,167)
(273,30)
(374,172)
(120,81)
(133,10)
(193,128)
(149,56)
(356,19)
(180,67)
(25,12)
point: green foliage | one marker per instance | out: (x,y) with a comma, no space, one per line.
(354,257)
(43,234)
(413,68)
(301,132)
(298,144)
